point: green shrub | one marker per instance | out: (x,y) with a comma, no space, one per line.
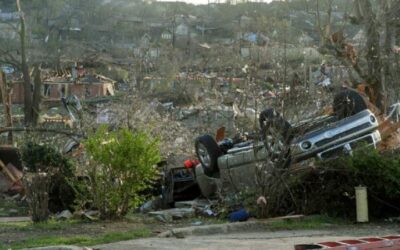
(46,159)
(122,165)
(379,172)
(329,188)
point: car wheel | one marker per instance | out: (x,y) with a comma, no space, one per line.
(276,135)
(167,189)
(208,151)
(347,103)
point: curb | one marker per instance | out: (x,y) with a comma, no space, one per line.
(15,219)
(224,228)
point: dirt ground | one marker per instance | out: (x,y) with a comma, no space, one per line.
(19,231)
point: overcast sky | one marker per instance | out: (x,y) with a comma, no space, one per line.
(204,1)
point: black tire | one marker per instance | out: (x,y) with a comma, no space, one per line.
(271,118)
(167,190)
(276,134)
(208,151)
(347,103)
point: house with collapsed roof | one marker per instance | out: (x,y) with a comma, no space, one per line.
(84,86)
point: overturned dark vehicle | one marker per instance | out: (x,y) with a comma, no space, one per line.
(349,126)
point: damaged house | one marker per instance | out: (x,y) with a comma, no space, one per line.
(83,86)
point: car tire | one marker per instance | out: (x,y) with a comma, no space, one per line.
(208,151)
(276,134)
(347,103)
(167,190)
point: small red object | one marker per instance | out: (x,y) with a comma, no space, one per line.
(188,164)
(191,163)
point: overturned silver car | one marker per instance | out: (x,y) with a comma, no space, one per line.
(338,138)
(325,137)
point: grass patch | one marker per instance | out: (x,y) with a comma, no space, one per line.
(141,218)
(11,208)
(83,240)
(14,225)
(52,225)
(308,222)
(206,220)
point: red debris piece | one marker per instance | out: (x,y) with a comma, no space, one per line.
(331,244)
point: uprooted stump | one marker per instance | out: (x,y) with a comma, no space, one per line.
(37,193)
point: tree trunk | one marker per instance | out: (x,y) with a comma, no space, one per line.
(386,55)
(328,21)
(324,32)
(25,69)
(37,193)
(6,99)
(37,95)
(373,56)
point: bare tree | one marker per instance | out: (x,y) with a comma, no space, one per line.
(372,64)
(8,57)
(25,68)
(6,98)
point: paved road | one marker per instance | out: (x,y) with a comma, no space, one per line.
(280,240)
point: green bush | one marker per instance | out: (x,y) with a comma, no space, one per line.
(46,159)
(329,188)
(122,165)
(379,172)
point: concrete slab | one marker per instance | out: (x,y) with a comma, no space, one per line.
(14,219)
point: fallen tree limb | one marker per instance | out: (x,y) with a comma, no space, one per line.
(44,130)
